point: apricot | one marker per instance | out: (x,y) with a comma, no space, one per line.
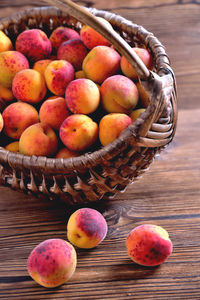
(29,86)
(78,132)
(1,122)
(52,262)
(119,94)
(82,96)
(62,34)
(5,42)
(58,75)
(13,147)
(53,112)
(6,94)
(100,63)
(66,153)
(74,51)
(79,74)
(17,117)
(34,44)
(38,139)
(86,228)
(136,113)
(149,245)
(128,70)
(11,62)
(111,126)
(41,65)
(92,38)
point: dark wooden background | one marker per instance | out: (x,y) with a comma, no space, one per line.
(167,195)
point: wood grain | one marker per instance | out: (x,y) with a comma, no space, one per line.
(167,195)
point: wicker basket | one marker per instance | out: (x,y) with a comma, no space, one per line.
(110,169)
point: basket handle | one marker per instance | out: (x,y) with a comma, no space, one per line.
(119,43)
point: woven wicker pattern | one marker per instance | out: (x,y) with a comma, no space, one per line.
(108,170)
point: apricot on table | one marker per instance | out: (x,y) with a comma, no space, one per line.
(52,262)
(86,228)
(149,245)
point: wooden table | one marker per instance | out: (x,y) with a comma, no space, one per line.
(167,195)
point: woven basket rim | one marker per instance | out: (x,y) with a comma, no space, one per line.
(88,157)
